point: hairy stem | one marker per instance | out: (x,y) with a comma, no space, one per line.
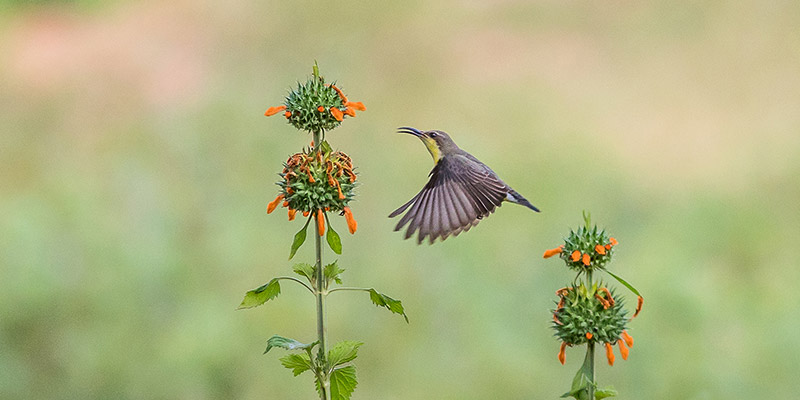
(320,290)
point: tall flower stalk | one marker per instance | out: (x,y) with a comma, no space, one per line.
(588,311)
(318,182)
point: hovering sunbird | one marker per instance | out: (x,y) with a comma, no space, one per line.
(460,192)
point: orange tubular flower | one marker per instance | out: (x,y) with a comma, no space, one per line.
(586,259)
(292,213)
(575,256)
(337,113)
(552,252)
(349,111)
(628,338)
(610,354)
(274,110)
(321,109)
(640,300)
(562,354)
(305,213)
(287,114)
(341,195)
(321,222)
(352,225)
(600,249)
(622,349)
(589,335)
(285,204)
(274,203)
(613,241)
(357,105)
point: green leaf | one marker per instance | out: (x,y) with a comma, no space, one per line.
(261,295)
(343,382)
(325,147)
(306,270)
(343,352)
(332,272)
(299,238)
(334,241)
(382,300)
(298,363)
(605,392)
(627,285)
(287,343)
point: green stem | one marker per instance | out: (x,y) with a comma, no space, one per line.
(320,290)
(589,365)
(349,288)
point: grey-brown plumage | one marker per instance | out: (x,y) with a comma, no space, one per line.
(460,192)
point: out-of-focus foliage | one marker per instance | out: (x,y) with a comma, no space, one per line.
(137,166)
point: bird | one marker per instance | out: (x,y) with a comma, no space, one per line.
(460,191)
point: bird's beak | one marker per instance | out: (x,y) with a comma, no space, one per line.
(411,131)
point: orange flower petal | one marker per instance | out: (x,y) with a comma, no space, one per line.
(562,354)
(285,204)
(589,335)
(610,354)
(622,349)
(628,338)
(352,225)
(274,110)
(287,114)
(349,111)
(341,195)
(321,222)
(321,109)
(608,247)
(357,105)
(600,249)
(339,92)
(274,203)
(586,259)
(613,241)
(292,213)
(575,256)
(639,302)
(552,252)
(305,213)
(337,113)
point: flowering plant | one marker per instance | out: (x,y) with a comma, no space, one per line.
(315,182)
(589,312)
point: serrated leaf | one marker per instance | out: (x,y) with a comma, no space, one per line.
(298,363)
(332,272)
(627,285)
(382,300)
(334,241)
(261,295)
(299,238)
(306,270)
(600,394)
(343,352)
(343,382)
(287,343)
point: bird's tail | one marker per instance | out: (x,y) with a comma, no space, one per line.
(517,198)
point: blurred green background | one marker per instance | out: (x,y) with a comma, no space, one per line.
(137,165)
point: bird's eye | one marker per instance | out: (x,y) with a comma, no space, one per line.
(433,134)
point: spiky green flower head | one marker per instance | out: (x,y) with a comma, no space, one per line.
(316,106)
(583,315)
(585,249)
(312,181)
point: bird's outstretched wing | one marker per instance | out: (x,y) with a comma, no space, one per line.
(457,196)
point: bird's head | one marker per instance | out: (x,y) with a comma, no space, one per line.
(438,143)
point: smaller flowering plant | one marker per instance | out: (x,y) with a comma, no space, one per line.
(590,312)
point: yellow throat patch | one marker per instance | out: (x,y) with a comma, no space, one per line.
(433,148)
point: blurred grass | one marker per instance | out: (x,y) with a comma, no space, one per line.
(137,166)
